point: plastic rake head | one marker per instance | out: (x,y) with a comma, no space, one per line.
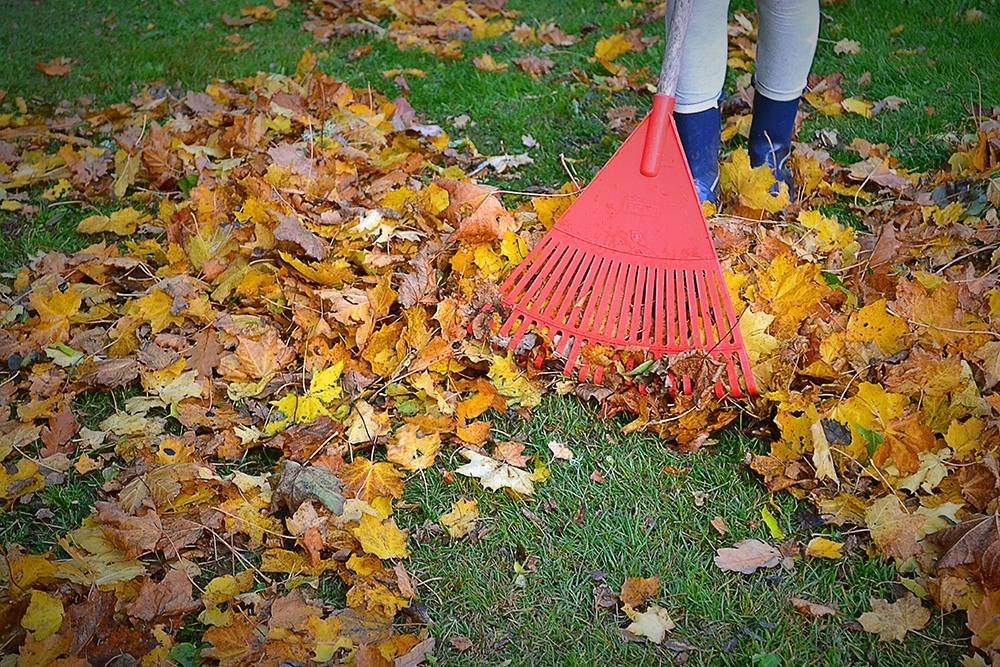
(631,264)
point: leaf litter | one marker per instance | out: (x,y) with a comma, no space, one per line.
(291,279)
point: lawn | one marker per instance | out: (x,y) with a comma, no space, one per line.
(536,581)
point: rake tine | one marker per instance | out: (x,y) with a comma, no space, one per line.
(609,321)
(684,339)
(734,379)
(544,294)
(638,305)
(707,325)
(600,276)
(537,265)
(602,307)
(724,323)
(625,303)
(571,287)
(670,299)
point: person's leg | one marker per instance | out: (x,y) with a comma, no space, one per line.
(703,72)
(787,31)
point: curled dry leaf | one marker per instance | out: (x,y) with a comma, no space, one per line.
(534,65)
(560,450)
(813,609)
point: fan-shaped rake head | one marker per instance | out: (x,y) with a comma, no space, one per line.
(577,295)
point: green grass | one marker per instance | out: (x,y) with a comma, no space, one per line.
(953,61)
(642,521)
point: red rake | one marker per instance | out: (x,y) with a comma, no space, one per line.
(631,262)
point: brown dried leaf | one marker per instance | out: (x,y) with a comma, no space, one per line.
(534,65)
(813,609)
(170,597)
(636,590)
(747,556)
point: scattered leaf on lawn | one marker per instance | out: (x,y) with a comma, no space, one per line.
(820,547)
(891,621)
(560,451)
(813,609)
(636,590)
(747,556)
(653,624)
(496,475)
(462,518)
(847,46)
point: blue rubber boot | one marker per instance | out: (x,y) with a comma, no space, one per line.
(700,136)
(771,137)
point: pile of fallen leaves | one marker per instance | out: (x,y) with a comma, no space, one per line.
(296,266)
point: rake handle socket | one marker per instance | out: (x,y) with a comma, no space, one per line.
(660,118)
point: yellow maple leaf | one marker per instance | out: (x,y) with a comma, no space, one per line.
(790,291)
(411,449)
(293,409)
(820,547)
(512,383)
(373,594)
(860,107)
(381,538)
(486,63)
(753,326)
(26,569)
(874,323)
(325,385)
(891,621)
(23,480)
(367,480)
(550,208)
(123,222)
(796,433)
(965,438)
(55,314)
(609,48)
(462,518)
(155,308)
(751,185)
(43,616)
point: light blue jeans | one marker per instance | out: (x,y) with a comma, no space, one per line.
(787,31)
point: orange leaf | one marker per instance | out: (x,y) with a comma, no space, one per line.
(367,480)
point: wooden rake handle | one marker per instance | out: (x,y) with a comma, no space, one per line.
(670,70)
